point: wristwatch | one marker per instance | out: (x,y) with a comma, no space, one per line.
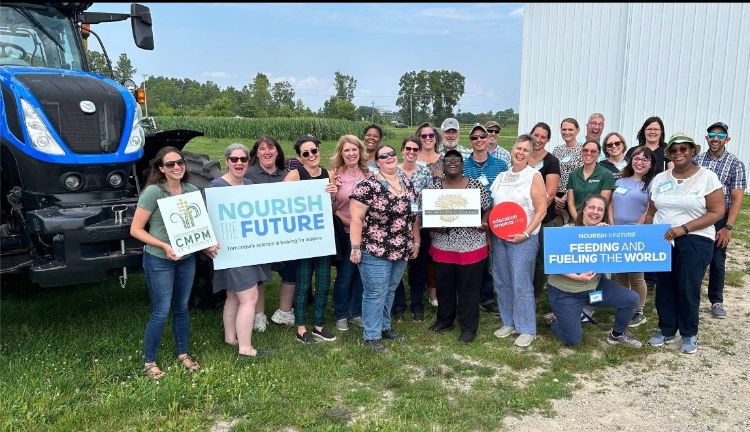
(729,227)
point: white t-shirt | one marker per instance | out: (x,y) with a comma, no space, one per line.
(679,203)
(516,187)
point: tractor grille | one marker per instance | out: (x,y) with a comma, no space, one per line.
(60,97)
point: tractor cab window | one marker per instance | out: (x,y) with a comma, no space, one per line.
(37,35)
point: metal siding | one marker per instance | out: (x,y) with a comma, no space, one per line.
(686,63)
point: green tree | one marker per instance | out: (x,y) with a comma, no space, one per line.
(260,96)
(345,86)
(97,63)
(368,113)
(124,69)
(283,97)
(429,95)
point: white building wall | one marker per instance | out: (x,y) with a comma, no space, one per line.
(686,63)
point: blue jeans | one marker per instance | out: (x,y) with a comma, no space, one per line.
(169,283)
(567,307)
(678,293)
(379,280)
(717,268)
(513,273)
(347,289)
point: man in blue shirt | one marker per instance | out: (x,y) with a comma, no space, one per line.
(482,166)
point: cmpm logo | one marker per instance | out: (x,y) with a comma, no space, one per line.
(187,212)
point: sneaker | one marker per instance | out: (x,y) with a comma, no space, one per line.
(260,322)
(466,337)
(490,307)
(322,334)
(549,318)
(689,344)
(717,311)
(504,331)
(418,316)
(524,340)
(623,339)
(398,317)
(342,324)
(376,345)
(392,335)
(305,338)
(587,315)
(637,319)
(661,340)
(440,328)
(358,321)
(434,302)
(284,318)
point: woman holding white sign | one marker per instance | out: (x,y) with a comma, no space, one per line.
(384,233)
(513,257)
(241,283)
(460,256)
(569,293)
(308,151)
(169,277)
(691,199)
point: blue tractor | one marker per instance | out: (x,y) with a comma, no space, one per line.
(73,151)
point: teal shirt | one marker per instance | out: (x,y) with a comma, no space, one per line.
(601,179)
(156,227)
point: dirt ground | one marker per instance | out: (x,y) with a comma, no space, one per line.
(705,391)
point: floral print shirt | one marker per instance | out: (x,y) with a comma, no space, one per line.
(420,179)
(387,228)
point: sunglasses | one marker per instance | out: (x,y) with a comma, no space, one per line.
(428,135)
(391,153)
(613,144)
(307,153)
(171,164)
(589,151)
(476,137)
(719,135)
(681,149)
(493,131)
(235,159)
(411,149)
(452,160)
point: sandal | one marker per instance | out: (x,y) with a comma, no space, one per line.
(152,371)
(188,363)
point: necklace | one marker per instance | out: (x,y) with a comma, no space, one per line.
(398,191)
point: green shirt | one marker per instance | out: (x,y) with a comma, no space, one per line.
(599,180)
(564,283)
(156,227)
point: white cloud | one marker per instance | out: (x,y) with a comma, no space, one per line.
(516,13)
(217,74)
(303,84)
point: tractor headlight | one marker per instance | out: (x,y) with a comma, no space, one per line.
(72,181)
(41,138)
(137,137)
(129,84)
(115,179)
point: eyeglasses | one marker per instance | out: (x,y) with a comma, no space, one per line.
(613,144)
(589,151)
(493,131)
(452,160)
(599,125)
(654,130)
(476,137)
(171,164)
(307,153)
(391,153)
(235,159)
(681,149)
(411,149)
(641,160)
(719,135)
(428,135)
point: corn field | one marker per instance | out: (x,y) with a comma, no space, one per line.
(281,128)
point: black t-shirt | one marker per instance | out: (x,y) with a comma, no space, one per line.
(661,161)
(550,165)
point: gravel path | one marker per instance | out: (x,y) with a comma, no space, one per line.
(706,391)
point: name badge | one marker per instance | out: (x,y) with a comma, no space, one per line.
(540,165)
(595,296)
(483,179)
(414,207)
(622,190)
(665,186)
(594,180)
(566,159)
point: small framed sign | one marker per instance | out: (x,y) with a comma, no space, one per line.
(187,222)
(451,208)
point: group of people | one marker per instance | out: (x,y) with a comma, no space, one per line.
(377,204)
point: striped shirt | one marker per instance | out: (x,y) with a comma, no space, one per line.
(490,168)
(729,169)
(502,154)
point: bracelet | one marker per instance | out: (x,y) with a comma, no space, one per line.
(526,234)
(684,226)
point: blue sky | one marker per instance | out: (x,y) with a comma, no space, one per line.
(305,44)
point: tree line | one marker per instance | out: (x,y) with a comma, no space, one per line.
(423,96)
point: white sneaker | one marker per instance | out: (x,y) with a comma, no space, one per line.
(504,331)
(434,303)
(260,322)
(342,324)
(281,317)
(524,340)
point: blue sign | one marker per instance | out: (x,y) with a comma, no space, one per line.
(607,249)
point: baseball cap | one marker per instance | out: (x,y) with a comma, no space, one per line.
(718,125)
(449,123)
(491,123)
(477,126)
(681,137)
